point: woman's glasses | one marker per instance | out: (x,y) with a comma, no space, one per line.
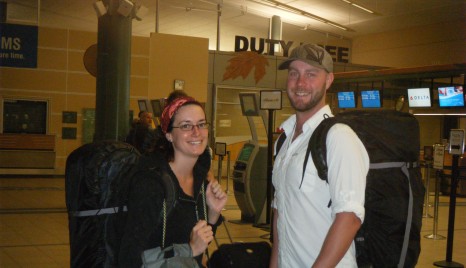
(189,127)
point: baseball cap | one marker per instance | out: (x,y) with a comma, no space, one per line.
(311,54)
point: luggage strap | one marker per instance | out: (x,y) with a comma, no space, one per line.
(404,168)
(96,212)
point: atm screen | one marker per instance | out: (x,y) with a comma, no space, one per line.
(245,152)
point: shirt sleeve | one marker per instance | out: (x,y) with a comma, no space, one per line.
(348,164)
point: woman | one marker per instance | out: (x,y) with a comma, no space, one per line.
(180,151)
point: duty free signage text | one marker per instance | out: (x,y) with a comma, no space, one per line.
(242,43)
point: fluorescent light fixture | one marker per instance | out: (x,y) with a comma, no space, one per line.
(363,8)
(439,114)
(368,10)
(291,9)
(336,25)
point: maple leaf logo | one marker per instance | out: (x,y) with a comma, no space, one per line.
(243,63)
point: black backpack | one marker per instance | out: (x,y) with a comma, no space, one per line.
(98,179)
(390,234)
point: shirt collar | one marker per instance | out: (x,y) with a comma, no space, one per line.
(311,123)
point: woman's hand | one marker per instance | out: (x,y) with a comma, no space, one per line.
(201,236)
(216,200)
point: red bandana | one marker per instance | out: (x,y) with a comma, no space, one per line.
(171,109)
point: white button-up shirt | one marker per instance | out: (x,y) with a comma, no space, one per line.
(304,217)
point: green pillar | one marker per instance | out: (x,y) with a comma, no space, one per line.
(113,74)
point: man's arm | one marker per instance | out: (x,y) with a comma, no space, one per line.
(274,255)
(338,239)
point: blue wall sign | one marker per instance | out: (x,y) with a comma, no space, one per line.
(18,47)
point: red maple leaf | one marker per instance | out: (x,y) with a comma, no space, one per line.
(243,63)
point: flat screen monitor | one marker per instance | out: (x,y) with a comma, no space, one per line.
(156,107)
(419,97)
(143,105)
(452,96)
(370,99)
(248,104)
(246,152)
(346,99)
(25,116)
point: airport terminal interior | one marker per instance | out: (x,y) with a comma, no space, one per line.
(57,93)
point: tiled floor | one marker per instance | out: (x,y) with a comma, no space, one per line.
(34,226)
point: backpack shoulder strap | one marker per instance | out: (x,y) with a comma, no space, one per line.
(169,201)
(317,148)
(169,190)
(281,139)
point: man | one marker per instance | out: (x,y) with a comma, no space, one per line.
(145,118)
(315,222)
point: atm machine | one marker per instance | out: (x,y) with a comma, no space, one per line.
(250,182)
(250,169)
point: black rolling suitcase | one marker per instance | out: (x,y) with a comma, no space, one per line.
(240,255)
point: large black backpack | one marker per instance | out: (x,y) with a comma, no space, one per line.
(97,181)
(390,234)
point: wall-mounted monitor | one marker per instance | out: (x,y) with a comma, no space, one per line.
(419,97)
(156,107)
(143,105)
(346,99)
(248,104)
(25,116)
(452,96)
(371,99)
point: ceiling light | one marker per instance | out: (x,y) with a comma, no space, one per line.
(125,8)
(308,27)
(291,9)
(368,10)
(440,114)
(100,8)
(336,25)
(363,8)
(140,11)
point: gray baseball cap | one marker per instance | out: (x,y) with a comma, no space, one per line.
(311,54)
